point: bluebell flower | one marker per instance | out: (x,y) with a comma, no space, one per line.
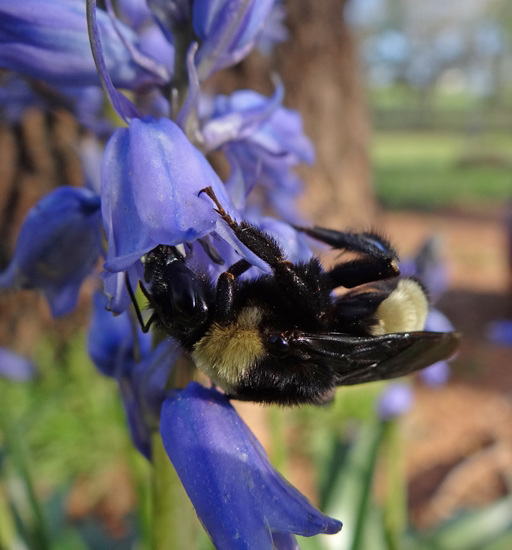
(53,44)
(429,266)
(14,366)
(58,247)
(152,175)
(151,179)
(274,30)
(135,13)
(86,102)
(239,497)
(396,399)
(15,96)
(265,139)
(227,30)
(500,332)
(170,14)
(121,351)
(437,374)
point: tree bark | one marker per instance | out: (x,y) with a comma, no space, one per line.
(320,68)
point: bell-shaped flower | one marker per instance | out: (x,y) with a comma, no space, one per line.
(396,399)
(437,374)
(228,30)
(58,247)
(15,367)
(86,103)
(274,29)
(122,351)
(430,267)
(170,14)
(50,42)
(265,140)
(15,96)
(239,497)
(151,181)
(135,13)
(152,178)
(500,332)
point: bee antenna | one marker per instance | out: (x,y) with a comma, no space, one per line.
(144,326)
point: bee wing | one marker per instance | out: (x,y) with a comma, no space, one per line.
(356,360)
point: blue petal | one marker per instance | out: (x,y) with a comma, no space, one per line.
(239,497)
(121,104)
(142,373)
(274,29)
(239,116)
(264,141)
(111,338)
(58,246)
(279,131)
(114,286)
(134,12)
(143,390)
(284,541)
(15,366)
(15,96)
(169,13)
(151,179)
(228,30)
(52,44)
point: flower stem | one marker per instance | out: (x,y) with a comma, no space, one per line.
(395,513)
(173,516)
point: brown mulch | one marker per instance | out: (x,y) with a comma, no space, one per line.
(459,438)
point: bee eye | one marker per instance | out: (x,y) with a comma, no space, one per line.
(278,343)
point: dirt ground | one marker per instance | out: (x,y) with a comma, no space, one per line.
(459,438)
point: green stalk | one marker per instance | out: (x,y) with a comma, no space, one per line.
(174,522)
(395,506)
(278,448)
(366,479)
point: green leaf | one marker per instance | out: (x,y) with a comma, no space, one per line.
(349,498)
(473,530)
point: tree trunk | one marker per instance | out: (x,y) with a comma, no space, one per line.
(320,68)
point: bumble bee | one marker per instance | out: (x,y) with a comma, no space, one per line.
(285,337)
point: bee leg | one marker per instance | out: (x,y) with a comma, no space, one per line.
(380,260)
(288,275)
(368,243)
(264,246)
(360,271)
(210,251)
(226,289)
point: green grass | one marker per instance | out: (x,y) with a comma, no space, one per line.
(70,418)
(427,170)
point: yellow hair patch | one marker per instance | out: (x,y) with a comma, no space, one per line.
(404,310)
(225,352)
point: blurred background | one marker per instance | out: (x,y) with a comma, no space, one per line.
(409,106)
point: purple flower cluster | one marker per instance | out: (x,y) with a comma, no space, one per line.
(152,170)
